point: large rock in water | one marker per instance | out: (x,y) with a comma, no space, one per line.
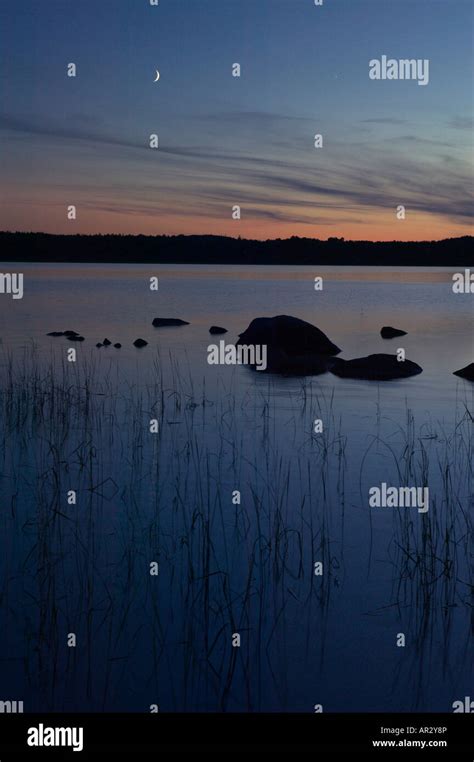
(293,345)
(388,332)
(161,322)
(290,335)
(379,367)
(467,372)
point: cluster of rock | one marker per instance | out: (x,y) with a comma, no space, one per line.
(108,343)
(295,347)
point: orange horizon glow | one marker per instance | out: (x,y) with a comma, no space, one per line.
(378,226)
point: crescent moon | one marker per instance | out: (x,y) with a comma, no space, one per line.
(157,75)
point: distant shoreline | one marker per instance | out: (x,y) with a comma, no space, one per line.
(222,250)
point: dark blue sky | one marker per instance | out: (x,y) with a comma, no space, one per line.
(226,141)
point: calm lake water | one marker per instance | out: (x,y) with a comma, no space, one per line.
(225,567)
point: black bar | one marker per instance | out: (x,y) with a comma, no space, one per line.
(148,733)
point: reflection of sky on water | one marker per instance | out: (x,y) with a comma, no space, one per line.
(224,568)
(354,304)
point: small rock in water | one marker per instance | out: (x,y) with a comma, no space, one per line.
(388,332)
(140,343)
(106,343)
(217,329)
(467,372)
(56,333)
(71,333)
(75,338)
(99,344)
(117,346)
(161,322)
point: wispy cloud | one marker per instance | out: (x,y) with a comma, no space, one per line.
(461,123)
(383,120)
(344,177)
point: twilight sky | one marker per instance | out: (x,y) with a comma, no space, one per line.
(226,140)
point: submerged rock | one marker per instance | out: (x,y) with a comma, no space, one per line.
(106,343)
(68,334)
(140,343)
(388,332)
(161,322)
(289,334)
(467,372)
(214,329)
(378,367)
(75,338)
(99,344)
(117,346)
